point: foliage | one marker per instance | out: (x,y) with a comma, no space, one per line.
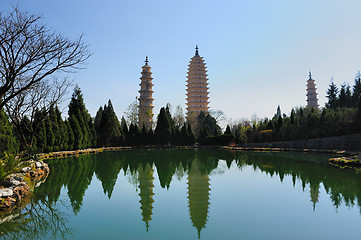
(163,130)
(8,142)
(107,126)
(81,122)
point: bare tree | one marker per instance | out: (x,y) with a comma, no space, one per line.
(30,53)
(131,114)
(178,116)
(43,95)
(218,115)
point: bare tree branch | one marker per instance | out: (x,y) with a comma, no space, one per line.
(30,53)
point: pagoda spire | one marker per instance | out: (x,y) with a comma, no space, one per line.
(145,111)
(311,92)
(197,87)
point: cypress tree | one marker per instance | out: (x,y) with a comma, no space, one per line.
(50,137)
(39,129)
(98,118)
(8,143)
(77,133)
(356,91)
(279,122)
(108,127)
(144,136)
(293,117)
(184,138)
(191,135)
(81,121)
(163,130)
(228,131)
(40,136)
(62,131)
(70,133)
(55,123)
(332,92)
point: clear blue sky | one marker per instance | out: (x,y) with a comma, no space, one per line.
(258,53)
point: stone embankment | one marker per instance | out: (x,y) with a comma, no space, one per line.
(350,143)
(16,188)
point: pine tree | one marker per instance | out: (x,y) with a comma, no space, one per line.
(278,113)
(108,127)
(50,137)
(228,131)
(8,142)
(279,122)
(81,122)
(191,135)
(293,117)
(332,96)
(39,131)
(55,124)
(98,118)
(163,130)
(77,133)
(70,133)
(356,91)
(184,136)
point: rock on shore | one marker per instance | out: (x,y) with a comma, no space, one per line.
(16,188)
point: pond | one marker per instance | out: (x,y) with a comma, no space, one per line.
(192,194)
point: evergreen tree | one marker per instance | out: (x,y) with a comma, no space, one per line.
(206,120)
(81,122)
(40,136)
(356,91)
(279,122)
(191,135)
(228,131)
(203,134)
(98,118)
(163,129)
(278,112)
(39,131)
(344,97)
(55,125)
(184,136)
(108,127)
(332,96)
(71,137)
(125,130)
(8,143)
(292,116)
(62,131)
(77,133)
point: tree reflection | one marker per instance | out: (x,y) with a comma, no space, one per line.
(76,174)
(38,220)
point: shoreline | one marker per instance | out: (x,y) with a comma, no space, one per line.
(61,154)
(16,189)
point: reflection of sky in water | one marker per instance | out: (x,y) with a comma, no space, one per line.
(256,196)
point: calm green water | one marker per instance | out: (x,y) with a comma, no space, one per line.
(191,194)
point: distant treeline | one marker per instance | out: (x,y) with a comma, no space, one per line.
(48,131)
(340,116)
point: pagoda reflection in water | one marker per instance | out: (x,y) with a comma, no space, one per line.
(198,196)
(145,177)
